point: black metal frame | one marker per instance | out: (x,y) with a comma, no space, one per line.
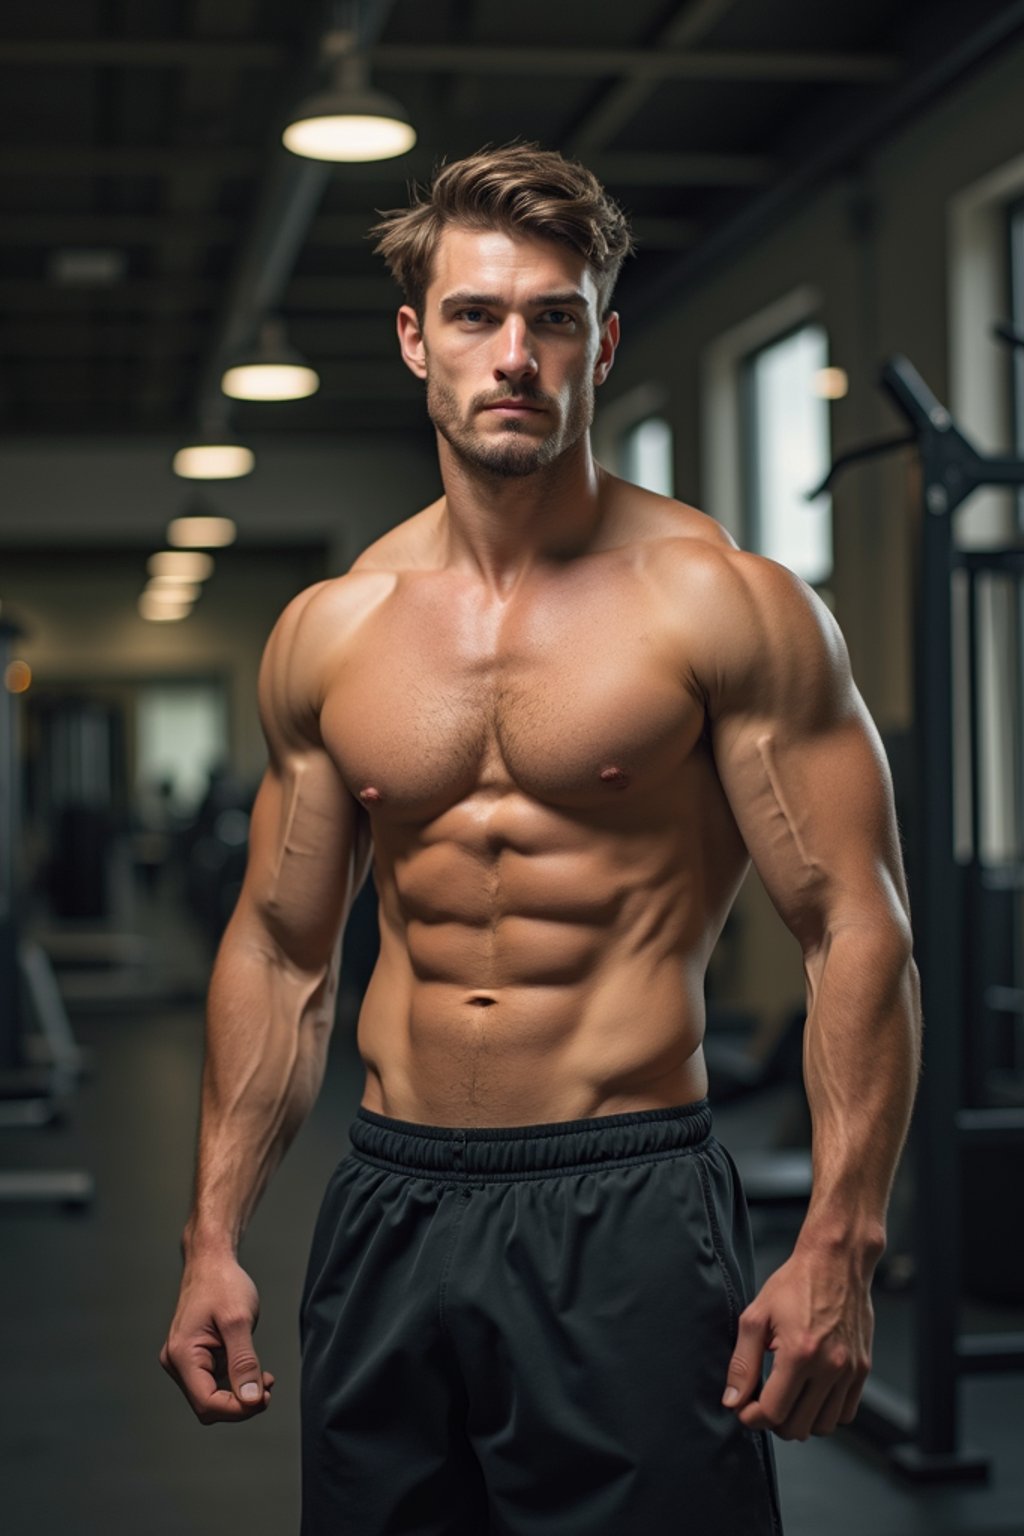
(922,1436)
(27,1098)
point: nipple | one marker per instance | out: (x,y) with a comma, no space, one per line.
(615,777)
(369,794)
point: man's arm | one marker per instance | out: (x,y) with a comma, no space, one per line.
(269,1016)
(802,765)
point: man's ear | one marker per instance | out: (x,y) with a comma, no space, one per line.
(606,348)
(410,339)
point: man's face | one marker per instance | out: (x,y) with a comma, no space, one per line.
(511,348)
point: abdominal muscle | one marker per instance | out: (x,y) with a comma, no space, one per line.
(521,988)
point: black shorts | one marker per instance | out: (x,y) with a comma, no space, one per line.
(525,1332)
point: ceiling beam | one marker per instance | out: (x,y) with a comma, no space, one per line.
(691,23)
(657,168)
(75,336)
(109,379)
(641,63)
(834,149)
(637,168)
(127,160)
(660,64)
(177,293)
(110,229)
(143,53)
(331,229)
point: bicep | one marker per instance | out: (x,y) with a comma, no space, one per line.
(308,855)
(309,842)
(815,811)
(805,773)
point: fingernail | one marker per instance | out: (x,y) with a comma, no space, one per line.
(250,1392)
(731,1396)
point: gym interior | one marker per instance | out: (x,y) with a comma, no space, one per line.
(823,348)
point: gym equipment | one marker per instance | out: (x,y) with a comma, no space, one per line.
(955,1117)
(29,1095)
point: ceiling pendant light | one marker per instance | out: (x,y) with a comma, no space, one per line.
(272,370)
(213,454)
(213,461)
(350,121)
(201,530)
(185,565)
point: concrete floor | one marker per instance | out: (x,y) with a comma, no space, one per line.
(96,1440)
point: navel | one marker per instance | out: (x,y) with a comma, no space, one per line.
(615,777)
(369,795)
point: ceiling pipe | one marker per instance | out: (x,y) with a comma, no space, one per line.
(835,151)
(290,195)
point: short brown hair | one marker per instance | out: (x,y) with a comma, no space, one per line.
(516,188)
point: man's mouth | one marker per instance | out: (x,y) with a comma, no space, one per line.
(513,405)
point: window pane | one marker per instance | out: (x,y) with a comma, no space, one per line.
(1017,311)
(788,454)
(181,733)
(647,455)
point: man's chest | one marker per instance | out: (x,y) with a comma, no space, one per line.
(571,702)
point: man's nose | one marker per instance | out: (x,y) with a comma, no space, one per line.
(515,358)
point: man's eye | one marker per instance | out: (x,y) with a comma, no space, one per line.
(472,315)
(558,316)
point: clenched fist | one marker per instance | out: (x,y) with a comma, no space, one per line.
(209,1350)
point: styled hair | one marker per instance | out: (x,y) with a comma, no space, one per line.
(517,188)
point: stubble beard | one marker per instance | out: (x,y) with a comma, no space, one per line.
(516,452)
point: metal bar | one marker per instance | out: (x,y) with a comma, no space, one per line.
(1007,559)
(974,1061)
(1004,877)
(937,923)
(974,715)
(990,1353)
(997,1127)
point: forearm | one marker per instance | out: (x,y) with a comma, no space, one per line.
(861,1064)
(268,1027)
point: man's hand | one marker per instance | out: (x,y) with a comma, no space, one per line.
(815,1316)
(209,1350)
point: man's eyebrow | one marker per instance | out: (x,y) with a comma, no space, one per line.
(572,296)
(463,300)
(487,300)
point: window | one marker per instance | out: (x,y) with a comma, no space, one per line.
(645,455)
(786,436)
(181,733)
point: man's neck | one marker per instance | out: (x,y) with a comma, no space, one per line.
(501,528)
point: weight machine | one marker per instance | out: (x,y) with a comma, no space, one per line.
(952,902)
(30,1095)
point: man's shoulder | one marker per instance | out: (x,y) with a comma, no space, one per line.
(699,558)
(329,609)
(745,621)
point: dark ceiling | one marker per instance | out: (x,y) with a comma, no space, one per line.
(152,130)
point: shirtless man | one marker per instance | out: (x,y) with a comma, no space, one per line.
(560,714)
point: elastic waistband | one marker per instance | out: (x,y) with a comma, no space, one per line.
(493,1153)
